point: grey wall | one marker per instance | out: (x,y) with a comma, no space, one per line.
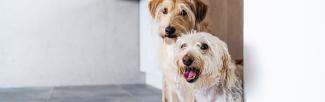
(150,44)
(69,42)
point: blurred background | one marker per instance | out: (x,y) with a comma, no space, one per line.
(74,42)
(71,51)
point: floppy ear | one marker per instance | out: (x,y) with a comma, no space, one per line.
(228,75)
(153,4)
(232,85)
(201,10)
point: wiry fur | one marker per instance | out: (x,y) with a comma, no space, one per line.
(217,80)
(196,12)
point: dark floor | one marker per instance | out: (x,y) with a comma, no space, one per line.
(107,93)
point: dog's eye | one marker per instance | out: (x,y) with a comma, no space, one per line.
(204,46)
(183,45)
(164,11)
(183,13)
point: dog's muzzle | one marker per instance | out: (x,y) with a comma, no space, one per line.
(170,32)
(191,72)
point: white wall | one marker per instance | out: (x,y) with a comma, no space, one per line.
(149,47)
(284,50)
(69,42)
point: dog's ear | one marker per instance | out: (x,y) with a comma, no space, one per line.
(232,85)
(201,10)
(228,75)
(153,4)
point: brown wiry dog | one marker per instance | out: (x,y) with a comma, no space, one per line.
(178,16)
(175,17)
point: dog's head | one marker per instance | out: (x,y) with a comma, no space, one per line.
(203,60)
(177,16)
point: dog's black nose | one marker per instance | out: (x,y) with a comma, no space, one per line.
(187,60)
(170,30)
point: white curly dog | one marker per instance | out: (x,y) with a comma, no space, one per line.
(204,67)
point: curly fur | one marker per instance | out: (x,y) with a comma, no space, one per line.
(217,80)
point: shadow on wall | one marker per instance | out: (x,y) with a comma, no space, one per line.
(251,69)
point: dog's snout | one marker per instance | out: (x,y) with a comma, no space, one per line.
(188,60)
(170,30)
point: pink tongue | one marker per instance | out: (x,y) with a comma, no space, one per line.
(189,75)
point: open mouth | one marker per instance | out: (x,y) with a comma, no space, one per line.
(191,74)
(171,36)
